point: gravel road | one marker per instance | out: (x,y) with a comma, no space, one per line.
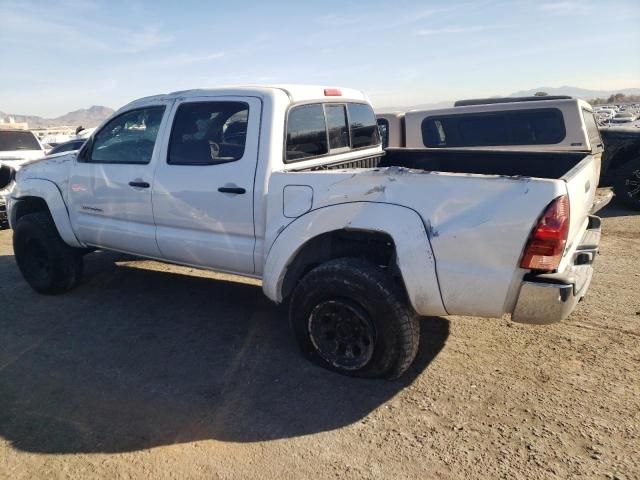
(155,371)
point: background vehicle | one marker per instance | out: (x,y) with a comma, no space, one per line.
(621,163)
(69,146)
(290,184)
(528,124)
(18,147)
(623,117)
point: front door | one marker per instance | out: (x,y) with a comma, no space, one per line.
(110,186)
(204,183)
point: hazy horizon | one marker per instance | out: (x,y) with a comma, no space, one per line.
(63,55)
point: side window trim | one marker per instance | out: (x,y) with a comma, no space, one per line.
(86,153)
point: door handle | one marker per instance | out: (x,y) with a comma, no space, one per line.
(236,190)
(139,184)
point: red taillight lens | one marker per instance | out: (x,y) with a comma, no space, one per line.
(332,92)
(548,238)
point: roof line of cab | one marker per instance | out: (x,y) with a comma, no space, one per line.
(295,93)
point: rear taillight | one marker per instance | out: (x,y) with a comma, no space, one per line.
(548,238)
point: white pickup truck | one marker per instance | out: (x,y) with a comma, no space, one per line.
(290,185)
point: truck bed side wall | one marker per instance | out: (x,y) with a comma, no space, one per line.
(477,225)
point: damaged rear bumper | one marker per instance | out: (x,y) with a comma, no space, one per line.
(550,298)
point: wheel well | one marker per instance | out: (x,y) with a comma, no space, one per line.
(375,247)
(27,205)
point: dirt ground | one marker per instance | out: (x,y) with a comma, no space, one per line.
(154,371)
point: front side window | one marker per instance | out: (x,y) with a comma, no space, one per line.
(208,133)
(128,138)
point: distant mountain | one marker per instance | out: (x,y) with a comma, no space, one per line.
(575,92)
(88,117)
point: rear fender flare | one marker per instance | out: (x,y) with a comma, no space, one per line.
(415,257)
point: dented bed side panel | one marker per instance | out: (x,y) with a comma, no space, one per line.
(477,225)
(414,256)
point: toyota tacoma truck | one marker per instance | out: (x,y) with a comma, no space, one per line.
(290,185)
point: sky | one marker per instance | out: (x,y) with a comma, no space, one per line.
(62,55)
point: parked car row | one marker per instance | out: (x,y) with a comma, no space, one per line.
(617,114)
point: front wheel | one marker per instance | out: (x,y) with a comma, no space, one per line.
(46,262)
(349,316)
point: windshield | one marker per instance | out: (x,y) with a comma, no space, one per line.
(17,140)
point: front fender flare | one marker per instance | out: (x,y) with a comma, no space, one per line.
(49,192)
(414,254)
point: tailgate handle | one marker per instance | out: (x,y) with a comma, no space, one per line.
(587,186)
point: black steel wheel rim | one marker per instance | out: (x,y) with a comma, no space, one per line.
(632,184)
(342,333)
(36,260)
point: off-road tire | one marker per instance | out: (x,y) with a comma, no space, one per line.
(46,262)
(368,290)
(628,173)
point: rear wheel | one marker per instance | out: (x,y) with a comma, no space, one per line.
(48,264)
(627,185)
(349,316)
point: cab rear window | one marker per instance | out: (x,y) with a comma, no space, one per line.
(324,128)
(518,127)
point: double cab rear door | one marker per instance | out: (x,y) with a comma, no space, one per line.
(172,179)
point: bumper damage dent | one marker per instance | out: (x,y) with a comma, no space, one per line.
(550,298)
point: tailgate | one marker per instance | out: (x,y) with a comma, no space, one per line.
(582,182)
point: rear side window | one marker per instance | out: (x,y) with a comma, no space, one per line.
(208,133)
(529,127)
(17,140)
(306,132)
(592,129)
(364,128)
(319,129)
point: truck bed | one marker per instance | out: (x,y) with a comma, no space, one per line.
(552,165)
